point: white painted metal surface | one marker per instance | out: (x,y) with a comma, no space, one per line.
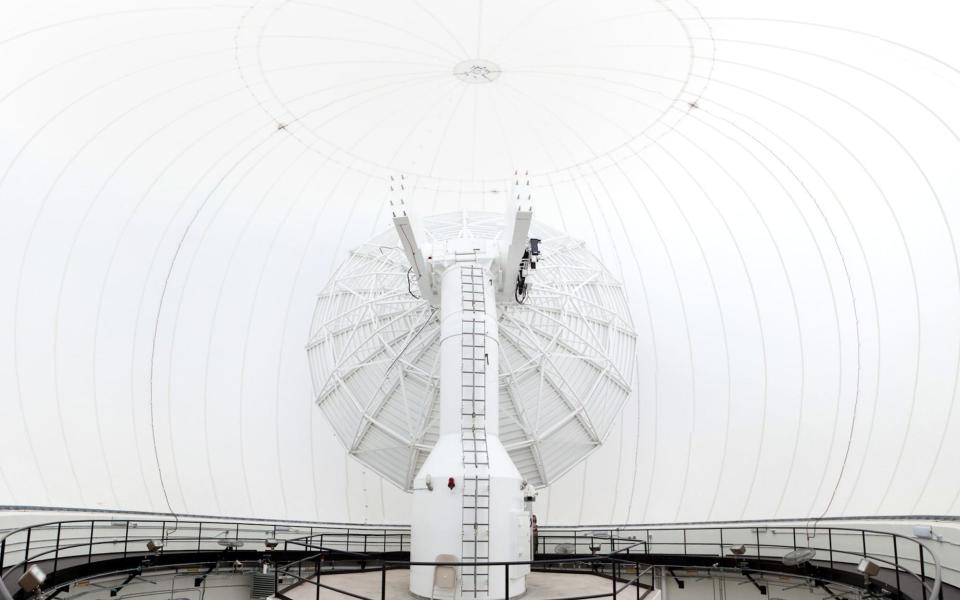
(476,517)
(380,350)
(565,355)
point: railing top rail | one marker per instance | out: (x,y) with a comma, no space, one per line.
(754,522)
(374,531)
(171,522)
(133,515)
(631,528)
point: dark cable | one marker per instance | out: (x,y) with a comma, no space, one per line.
(519,296)
(156,326)
(410,285)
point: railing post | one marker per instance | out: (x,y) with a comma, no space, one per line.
(90,546)
(896,566)
(200,535)
(126,537)
(636,572)
(923,574)
(3,554)
(56,550)
(383,582)
(316,569)
(830,543)
(863,535)
(506,582)
(721,541)
(684,542)
(758,542)
(613,579)
(26,551)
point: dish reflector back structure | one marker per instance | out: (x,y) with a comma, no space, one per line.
(565,362)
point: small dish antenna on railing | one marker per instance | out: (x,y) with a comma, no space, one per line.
(601,534)
(798,557)
(32,580)
(869,569)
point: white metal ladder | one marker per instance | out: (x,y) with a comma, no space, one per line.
(476,486)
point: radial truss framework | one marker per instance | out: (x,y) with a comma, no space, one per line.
(566,355)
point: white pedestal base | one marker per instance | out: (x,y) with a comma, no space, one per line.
(437,515)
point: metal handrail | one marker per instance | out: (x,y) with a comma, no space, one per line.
(39,538)
(253,522)
(938,579)
(834,554)
(202,517)
(186,525)
(50,547)
(388,565)
(934,589)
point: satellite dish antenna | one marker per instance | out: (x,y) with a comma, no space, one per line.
(565,361)
(798,557)
(481,350)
